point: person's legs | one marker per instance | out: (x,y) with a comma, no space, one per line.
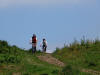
(33,48)
(45,48)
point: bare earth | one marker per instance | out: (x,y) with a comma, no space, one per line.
(51,60)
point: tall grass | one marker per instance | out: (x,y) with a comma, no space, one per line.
(16,61)
(9,54)
(83,54)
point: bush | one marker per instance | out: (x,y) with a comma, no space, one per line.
(9,54)
(55,72)
(69,70)
(9,59)
(12,59)
(3,44)
(2,58)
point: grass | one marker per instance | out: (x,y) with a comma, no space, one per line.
(15,61)
(76,56)
(29,65)
(82,55)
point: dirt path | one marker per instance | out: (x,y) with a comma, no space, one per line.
(91,71)
(51,60)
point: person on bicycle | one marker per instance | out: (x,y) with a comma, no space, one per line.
(44,45)
(34,43)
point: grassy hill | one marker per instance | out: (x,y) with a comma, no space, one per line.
(15,61)
(80,58)
(84,55)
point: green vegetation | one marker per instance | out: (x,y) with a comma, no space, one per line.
(81,55)
(9,54)
(15,61)
(77,57)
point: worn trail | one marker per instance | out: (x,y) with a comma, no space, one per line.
(51,60)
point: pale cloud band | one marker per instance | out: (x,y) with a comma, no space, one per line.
(7,3)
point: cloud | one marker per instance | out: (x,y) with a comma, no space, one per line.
(7,3)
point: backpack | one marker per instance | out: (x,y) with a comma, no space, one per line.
(33,39)
(44,43)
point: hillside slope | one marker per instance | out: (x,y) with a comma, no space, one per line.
(15,61)
(84,55)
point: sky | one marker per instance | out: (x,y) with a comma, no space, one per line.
(59,21)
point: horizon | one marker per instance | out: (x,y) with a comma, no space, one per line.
(59,21)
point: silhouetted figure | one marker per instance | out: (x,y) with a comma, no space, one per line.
(34,43)
(44,45)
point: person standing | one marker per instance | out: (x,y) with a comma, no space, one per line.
(44,45)
(34,43)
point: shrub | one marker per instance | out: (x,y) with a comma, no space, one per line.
(55,72)
(9,54)
(69,70)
